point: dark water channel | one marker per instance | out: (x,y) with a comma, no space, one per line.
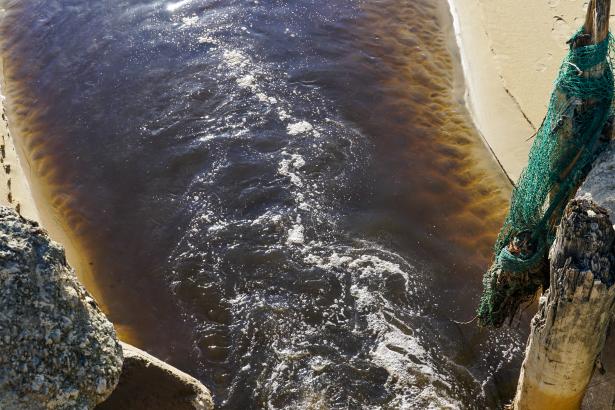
(286,199)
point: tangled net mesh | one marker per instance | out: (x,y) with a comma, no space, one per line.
(566,144)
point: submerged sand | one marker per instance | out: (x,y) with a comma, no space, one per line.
(511,51)
(18,182)
(14,183)
(14,187)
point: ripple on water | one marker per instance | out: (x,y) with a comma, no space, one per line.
(296,182)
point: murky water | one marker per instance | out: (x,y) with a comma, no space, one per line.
(285,199)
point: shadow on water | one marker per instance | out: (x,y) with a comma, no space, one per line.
(287,200)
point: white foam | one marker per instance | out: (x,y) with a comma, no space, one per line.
(235,59)
(189,21)
(205,38)
(247,81)
(207,137)
(218,226)
(288,165)
(401,354)
(283,115)
(300,127)
(262,97)
(296,234)
(298,161)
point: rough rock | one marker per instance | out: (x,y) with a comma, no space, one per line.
(150,384)
(57,349)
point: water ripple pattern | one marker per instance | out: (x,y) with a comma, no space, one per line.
(211,150)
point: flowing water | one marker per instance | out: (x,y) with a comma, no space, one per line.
(286,199)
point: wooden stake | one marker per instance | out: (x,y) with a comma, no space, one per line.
(569,331)
(597,20)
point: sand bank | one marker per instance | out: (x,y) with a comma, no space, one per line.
(511,51)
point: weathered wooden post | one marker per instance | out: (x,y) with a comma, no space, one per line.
(569,331)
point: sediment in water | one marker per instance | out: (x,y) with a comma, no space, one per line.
(433,165)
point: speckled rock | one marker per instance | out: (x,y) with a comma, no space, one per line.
(57,349)
(148,383)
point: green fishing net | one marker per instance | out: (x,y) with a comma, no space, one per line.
(565,147)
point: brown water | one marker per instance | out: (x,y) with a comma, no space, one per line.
(286,199)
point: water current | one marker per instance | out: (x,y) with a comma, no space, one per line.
(287,199)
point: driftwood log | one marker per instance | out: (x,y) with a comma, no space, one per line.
(569,331)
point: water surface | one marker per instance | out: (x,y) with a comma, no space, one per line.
(286,199)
